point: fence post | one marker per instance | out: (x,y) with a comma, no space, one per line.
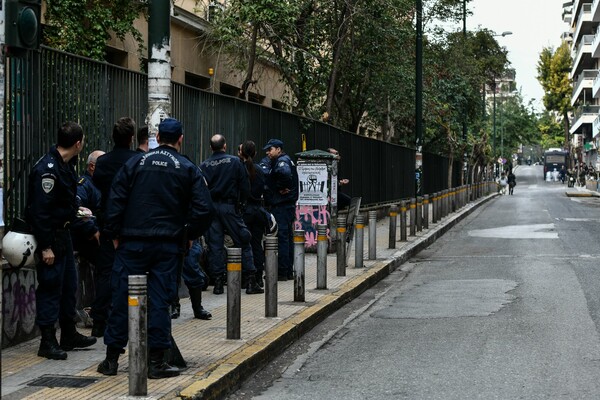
(234,309)
(419,213)
(299,265)
(426,211)
(322,244)
(359,241)
(341,246)
(372,235)
(403,220)
(271,266)
(413,216)
(393,222)
(138,335)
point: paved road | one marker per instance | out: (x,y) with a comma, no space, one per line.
(504,306)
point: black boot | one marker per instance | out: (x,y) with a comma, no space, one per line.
(158,367)
(175,309)
(111,363)
(98,328)
(196,299)
(49,345)
(259,279)
(70,338)
(218,289)
(253,287)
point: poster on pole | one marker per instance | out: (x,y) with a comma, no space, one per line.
(312,179)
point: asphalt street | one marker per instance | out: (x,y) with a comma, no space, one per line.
(504,306)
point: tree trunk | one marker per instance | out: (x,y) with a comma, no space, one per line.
(251,61)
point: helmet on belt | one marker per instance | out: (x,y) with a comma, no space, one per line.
(18,248)
(271,225)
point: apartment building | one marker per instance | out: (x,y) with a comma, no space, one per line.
(194,63)
(583,18)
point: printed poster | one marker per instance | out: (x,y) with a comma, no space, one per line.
(312,181)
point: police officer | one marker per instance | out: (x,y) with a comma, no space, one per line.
(154,197)
(85,233)
(107,167)
(255,217)
(281,197)
(51,207)
(142,139)
(229,187)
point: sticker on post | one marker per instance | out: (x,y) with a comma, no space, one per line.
(133,301)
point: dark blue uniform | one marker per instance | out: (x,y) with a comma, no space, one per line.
(107,167)
(88,196)
(283,175)
(255,218)
(229,186)
(154,197)
(51,207)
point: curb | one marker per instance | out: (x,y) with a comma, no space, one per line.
(227,374)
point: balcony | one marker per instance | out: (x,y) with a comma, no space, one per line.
(583,115)
(596,11)
(584,18)
(583,49)
(596,127)
(585,80)
(596,86)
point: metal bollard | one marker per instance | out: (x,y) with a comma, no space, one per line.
(322,244)
(372,235)
(359,239)
(426,211)
(393,222)
(138,335)
(234,304)
(419,213)
(413,216)
(341,246)
(435,207)
(299,265)
(403,221)
(271,266)
(445,203)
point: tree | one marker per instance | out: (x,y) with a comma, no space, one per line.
(84,27)
(553,74)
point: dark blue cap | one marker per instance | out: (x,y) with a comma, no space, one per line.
(170,129)
(273,143)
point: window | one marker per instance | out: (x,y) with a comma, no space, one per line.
(197,81)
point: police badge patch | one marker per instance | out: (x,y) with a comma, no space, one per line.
(47,184)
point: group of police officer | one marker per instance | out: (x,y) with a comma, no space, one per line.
(149,207)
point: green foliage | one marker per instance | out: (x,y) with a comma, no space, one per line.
(83,26)
(553,74)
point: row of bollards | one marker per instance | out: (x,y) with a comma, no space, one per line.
(417,210)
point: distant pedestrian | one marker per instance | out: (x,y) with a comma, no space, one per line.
(229,187)
(281,197)
(107,167)
(512,182)
(156,197)
(51,208)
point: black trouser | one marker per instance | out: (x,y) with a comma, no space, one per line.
(255,220)
(104,264)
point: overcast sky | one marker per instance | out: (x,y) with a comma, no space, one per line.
(535,24)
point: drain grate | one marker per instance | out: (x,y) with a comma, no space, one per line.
(53,381)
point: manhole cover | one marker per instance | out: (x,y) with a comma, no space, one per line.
(53,381)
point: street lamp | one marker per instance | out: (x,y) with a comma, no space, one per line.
(503,34)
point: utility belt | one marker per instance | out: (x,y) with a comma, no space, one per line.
(226,201)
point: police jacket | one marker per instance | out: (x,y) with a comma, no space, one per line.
(87,196)
(282,175)
(257,185)
(51,202)
(107,166)
(155,195)
(227,178)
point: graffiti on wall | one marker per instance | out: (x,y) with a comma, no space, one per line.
(18,305)
(307,219)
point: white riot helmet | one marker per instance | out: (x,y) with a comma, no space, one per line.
(271,225)
(19,248)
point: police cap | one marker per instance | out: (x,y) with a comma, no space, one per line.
(273,143)
(170,129)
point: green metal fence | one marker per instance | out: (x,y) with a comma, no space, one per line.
(47,87)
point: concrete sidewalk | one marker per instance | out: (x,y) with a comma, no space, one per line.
(217,365)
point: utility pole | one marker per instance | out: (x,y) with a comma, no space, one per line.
(159,66)
(419,100)
(464,122)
